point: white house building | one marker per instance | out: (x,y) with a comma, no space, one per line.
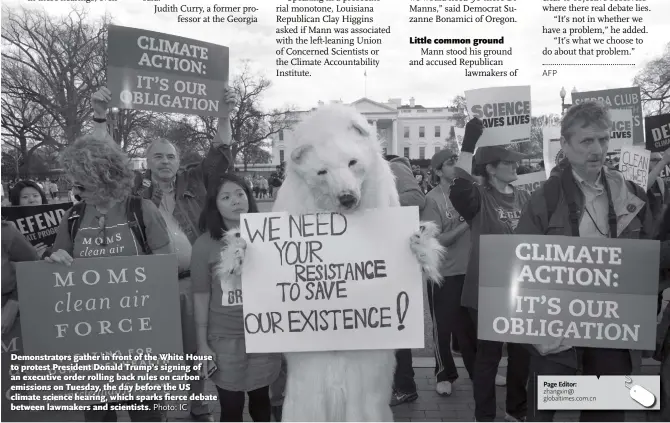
(412,131)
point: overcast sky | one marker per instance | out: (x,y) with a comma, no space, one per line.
(431,87)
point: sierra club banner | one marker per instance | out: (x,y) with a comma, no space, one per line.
(530,181)
(618,98)
(331,282)
(504,111)
(551,148)
(39,224)
(121,306)
(590,292)
(657,132)
(165,73)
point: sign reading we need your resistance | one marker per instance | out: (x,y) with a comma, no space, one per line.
(327,281)
(586,292)
(164,73)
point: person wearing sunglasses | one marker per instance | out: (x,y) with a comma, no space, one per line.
(100,172)
(492,207)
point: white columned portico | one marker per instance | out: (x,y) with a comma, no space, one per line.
(394,140)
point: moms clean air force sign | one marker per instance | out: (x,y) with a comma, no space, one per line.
(587,292)
(164,73)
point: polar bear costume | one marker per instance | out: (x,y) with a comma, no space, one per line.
(336,165)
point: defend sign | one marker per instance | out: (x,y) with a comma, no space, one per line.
(332,282)
(504,111)
(584,292)
(164,73)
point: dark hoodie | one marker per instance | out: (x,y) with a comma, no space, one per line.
(408,187)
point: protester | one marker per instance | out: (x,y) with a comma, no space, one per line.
(662,352)
(404,386)
(584,198)
(218,308)
(180,193)
(100,173)
(493,207)
(28,193)
(15,248)
(657,190)
(449,317)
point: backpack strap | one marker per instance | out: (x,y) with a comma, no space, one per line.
(136,222)
(552,191)
(74,219)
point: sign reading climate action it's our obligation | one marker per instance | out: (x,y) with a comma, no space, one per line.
(327,281)
(587,292)
(160,72)
(504,111)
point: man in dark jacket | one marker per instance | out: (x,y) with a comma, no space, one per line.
(404,387)
(584,192)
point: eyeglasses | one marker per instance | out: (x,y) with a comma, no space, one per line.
(508,162)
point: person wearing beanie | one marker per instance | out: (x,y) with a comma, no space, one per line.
(493,207)
(448,316)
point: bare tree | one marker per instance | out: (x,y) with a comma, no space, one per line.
(654,83)
(460,112)
(64,58)
(251,126)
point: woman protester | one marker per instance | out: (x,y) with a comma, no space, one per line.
(103,224)
(493,207)
(28,193)
(218,308)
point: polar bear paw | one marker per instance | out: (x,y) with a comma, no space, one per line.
(428,251)
(232,255)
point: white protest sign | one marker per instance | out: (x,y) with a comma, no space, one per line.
(634,164)
(329,282)
(551,147)
(530,181)
(621,134)
(504,111)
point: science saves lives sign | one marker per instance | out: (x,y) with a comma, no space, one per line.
(160,72)
(587,292)
(326,282)
(504,111)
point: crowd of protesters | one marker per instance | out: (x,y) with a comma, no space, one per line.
(187,211)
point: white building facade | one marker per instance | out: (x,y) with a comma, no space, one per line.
(412,131)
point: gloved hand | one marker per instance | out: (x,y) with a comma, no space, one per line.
(473,131)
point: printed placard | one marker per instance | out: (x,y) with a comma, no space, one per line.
(618,98)
(584,292)
(332,282)
(504,111)
(621,134)
(116,308)
(150,70)
(657,132)
(634,164)
(530,181)
(551,151)
(38,224)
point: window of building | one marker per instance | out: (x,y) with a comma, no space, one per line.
(281,156)
(437,131)
(281,135)
(422,131)
(406,152)
(437,149)
(422,153)
(406,131)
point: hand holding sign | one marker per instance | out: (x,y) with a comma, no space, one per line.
(473,131)
(60,257)
(100,100)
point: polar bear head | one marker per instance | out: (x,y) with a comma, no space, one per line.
(336,158)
